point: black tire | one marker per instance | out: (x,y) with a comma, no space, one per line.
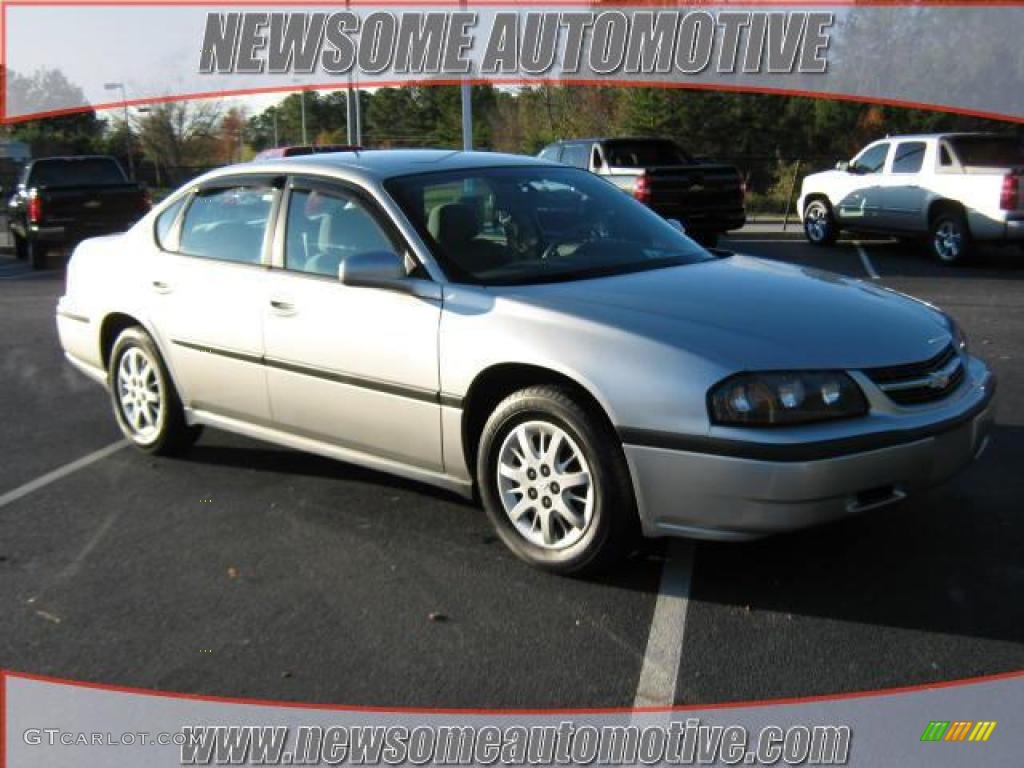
(169,433)
(35,254)
(707,239)
(613,525)
(20,246)
(949,238)
(820,227)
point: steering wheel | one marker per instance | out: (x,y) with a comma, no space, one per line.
(577,235)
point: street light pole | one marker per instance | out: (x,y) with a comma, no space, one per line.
(467,107)
(127,128)
(302,102)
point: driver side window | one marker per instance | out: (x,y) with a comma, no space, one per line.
(324,228)
(871,160)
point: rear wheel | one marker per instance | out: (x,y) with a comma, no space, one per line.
(950,239)
(145,403)
(819,224)
(36,254)
(554,482)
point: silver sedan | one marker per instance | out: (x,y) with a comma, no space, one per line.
(511,328)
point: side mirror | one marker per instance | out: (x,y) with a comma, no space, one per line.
(677,225)
(843,165)
(374,269)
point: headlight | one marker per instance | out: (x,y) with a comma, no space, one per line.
(780,398)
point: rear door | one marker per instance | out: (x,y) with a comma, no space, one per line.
(210,284)
(903,196)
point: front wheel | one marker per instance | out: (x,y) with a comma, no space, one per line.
(554,482)
(819,224)
(707,239)
(950,238)
(145,403)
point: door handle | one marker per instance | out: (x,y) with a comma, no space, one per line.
(282,307)
(161,287)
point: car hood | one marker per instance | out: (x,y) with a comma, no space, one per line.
(755,314)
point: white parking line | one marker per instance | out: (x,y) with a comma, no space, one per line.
(868,266)
(51,477)
(660,670)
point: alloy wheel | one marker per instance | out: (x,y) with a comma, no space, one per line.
(545,485)
(139,394)
(948,240)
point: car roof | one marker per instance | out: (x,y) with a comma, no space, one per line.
(381,164)
(946,135)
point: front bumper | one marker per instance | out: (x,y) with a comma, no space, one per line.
(734,497)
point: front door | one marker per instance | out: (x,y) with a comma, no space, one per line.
(352,366)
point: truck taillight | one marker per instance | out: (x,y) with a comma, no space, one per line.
(642,189)
(1009,198)
(35,209)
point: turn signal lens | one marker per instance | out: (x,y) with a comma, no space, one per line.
(800,397)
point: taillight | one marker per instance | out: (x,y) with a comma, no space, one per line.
(642,189)
(1009,197)
(35,208)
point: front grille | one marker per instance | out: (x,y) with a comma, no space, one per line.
(924,382)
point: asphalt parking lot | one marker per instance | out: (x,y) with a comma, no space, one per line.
(249,570)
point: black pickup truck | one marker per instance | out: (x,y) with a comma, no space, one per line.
(60,201)
(706,198)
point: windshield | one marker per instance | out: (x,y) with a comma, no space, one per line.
(992,151)
(514,226)
(640,153)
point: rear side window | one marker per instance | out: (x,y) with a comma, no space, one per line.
(576,154)
(227,223)
(623,153)
(550,153)
(71,172)
(909,157)
(871,160)
(165,222)
(989,151)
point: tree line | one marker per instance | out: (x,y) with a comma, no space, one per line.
(764,135)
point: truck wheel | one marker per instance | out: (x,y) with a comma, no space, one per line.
(819,224)
(950,239)
(145,403)
(707,239)
(35,254)
(20,247)
(554,482)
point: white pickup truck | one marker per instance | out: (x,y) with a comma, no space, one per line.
(954,188)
